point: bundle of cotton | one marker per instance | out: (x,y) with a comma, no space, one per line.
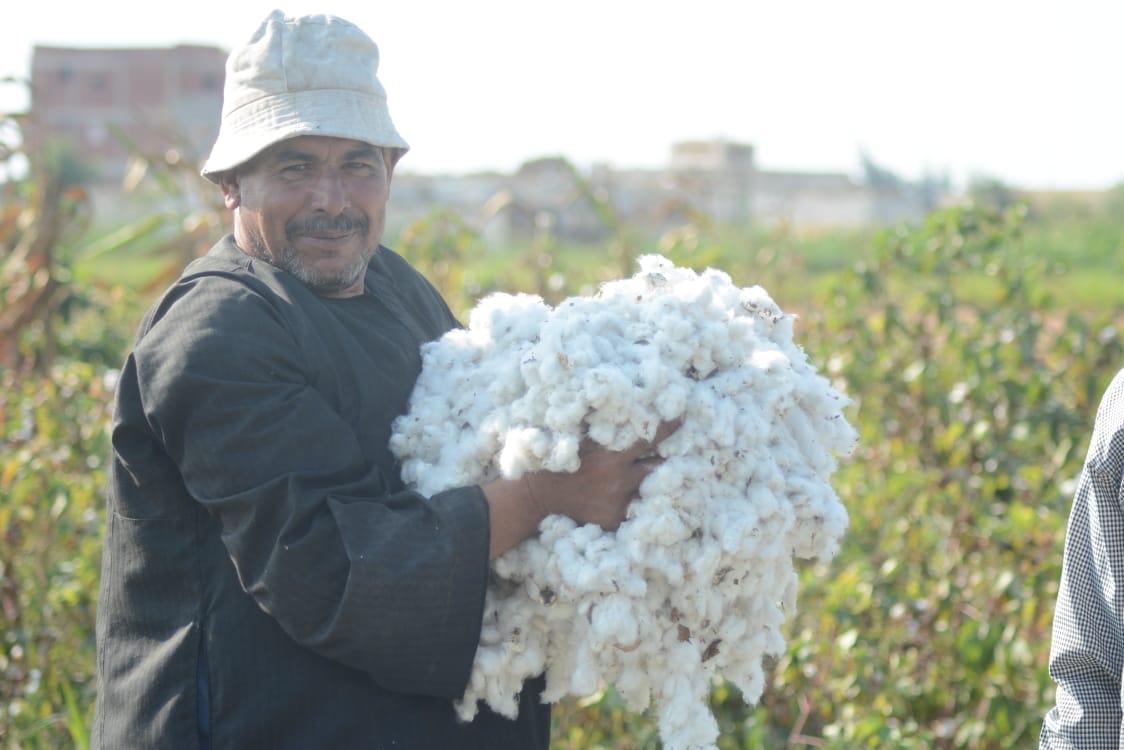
(697,580)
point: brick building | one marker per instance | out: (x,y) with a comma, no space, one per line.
(157,98)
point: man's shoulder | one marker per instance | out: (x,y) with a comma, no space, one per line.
(390,268)
(392,276)
(1110,412)
(225,261)
(219,285)
(1106,450)
(388,263)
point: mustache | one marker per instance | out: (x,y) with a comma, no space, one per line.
(343,223)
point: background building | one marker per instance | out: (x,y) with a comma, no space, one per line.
(105,105)
(98,100)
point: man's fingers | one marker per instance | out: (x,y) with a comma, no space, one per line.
(666,429)
(642,449)
(645,449)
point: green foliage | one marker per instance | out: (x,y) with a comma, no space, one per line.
(931,629)
(38,218)
(974,379)
(974,388)
(52,480)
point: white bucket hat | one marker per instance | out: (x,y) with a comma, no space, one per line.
(314,75)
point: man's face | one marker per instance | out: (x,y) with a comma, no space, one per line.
(314,206)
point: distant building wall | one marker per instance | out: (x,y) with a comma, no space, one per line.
(811,200)
(162,99)
(715,177)
(158,98)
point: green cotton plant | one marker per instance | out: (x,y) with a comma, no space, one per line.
(450,252)
(974,396)
(974,391)
(440,244)
(53,449)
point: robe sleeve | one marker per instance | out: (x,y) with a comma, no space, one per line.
(1087,649)
(391,583)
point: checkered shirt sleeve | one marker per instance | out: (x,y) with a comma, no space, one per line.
(1087,650)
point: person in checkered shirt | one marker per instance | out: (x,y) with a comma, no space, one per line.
(1087,651)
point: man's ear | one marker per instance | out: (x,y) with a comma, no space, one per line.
(231,194)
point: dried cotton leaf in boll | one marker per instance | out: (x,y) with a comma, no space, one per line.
(699,579)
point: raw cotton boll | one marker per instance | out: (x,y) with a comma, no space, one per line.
(614,623)
(525,449)
(505,319)
(680,691)
(698,580)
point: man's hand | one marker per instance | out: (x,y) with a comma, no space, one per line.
(598,492)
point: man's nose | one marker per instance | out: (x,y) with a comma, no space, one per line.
(329,192)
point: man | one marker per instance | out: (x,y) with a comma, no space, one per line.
(1087,650)
(268,581)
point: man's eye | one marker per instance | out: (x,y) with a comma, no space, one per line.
(293,169)
(360,166)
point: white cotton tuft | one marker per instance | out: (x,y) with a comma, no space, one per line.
(698,580)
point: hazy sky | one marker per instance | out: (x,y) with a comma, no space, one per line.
(1026,91)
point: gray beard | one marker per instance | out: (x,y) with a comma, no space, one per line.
(325,284)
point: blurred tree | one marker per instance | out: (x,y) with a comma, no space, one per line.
(991,193)
(40,210)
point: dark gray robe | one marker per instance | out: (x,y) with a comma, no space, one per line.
(267,580)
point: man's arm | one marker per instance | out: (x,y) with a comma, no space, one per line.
(1087,651)
(598,492)
(387,582)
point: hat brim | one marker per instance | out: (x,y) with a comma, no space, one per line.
(337,113)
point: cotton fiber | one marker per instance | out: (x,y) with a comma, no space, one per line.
(699,578)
